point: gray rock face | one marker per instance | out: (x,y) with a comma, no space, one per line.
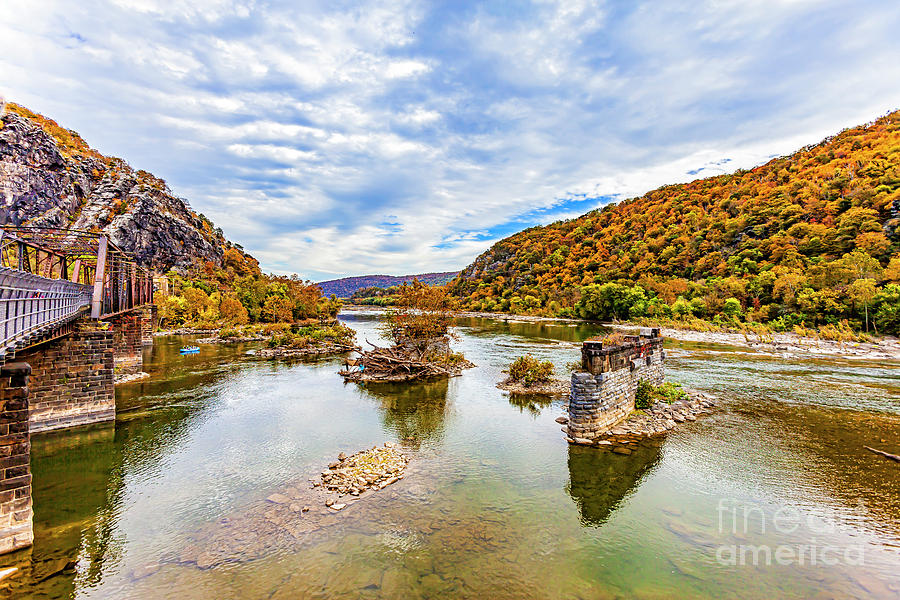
(42,185)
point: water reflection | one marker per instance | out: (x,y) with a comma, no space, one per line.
(599,480)
(533,404)
(415,412)
(78,530)
(533,330)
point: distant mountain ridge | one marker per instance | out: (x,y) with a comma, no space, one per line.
(51,177)
(344,287)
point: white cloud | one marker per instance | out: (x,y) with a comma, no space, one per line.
(299,127)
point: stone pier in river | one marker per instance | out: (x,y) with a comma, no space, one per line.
(62,382)
(603,393)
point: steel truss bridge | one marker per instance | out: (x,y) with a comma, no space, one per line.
(51,277)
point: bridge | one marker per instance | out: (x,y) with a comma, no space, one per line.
(51,277)
(75,311)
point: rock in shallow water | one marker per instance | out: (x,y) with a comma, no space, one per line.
(145,571)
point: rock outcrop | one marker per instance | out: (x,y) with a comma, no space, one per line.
(50,177)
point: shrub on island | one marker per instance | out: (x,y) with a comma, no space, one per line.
(648,394)
(528,370)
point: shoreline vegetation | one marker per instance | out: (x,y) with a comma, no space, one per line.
(236,302)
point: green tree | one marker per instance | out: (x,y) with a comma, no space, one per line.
(887,309)
(681,308)
(862,291)
(732,308)
(611,301)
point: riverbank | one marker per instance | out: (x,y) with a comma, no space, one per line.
(787,345)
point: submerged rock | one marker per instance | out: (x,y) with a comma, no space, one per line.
(145,571)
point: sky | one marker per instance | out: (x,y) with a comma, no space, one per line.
(399,136)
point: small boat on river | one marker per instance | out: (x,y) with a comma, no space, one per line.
(190,349)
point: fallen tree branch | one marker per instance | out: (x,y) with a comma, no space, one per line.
(883,453)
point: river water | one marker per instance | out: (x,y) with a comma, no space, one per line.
(495,504)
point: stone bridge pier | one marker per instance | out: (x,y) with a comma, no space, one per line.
(72,376)
(65,381)
(132,330)
(15,465)
(603,393)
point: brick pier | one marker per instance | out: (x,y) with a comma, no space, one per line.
(603,393)
(16,529)
(72,379)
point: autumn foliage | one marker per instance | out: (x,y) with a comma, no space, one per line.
(811,238)
(422,312)
(238,294)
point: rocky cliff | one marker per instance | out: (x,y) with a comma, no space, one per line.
(50,177)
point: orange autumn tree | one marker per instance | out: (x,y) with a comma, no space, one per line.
(423,312)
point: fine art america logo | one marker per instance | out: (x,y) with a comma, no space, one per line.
(741,521)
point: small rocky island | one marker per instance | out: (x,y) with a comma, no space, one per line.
(528,375)
(420,331)
(372,469)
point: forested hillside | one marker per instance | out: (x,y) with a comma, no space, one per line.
(811,238)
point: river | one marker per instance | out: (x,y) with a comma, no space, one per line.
(495,503)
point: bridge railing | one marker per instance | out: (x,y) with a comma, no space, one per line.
(50,276)
(31,305)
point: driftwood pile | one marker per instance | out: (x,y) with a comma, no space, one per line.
(402,363)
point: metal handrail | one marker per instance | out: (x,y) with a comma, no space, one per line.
(30,305)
